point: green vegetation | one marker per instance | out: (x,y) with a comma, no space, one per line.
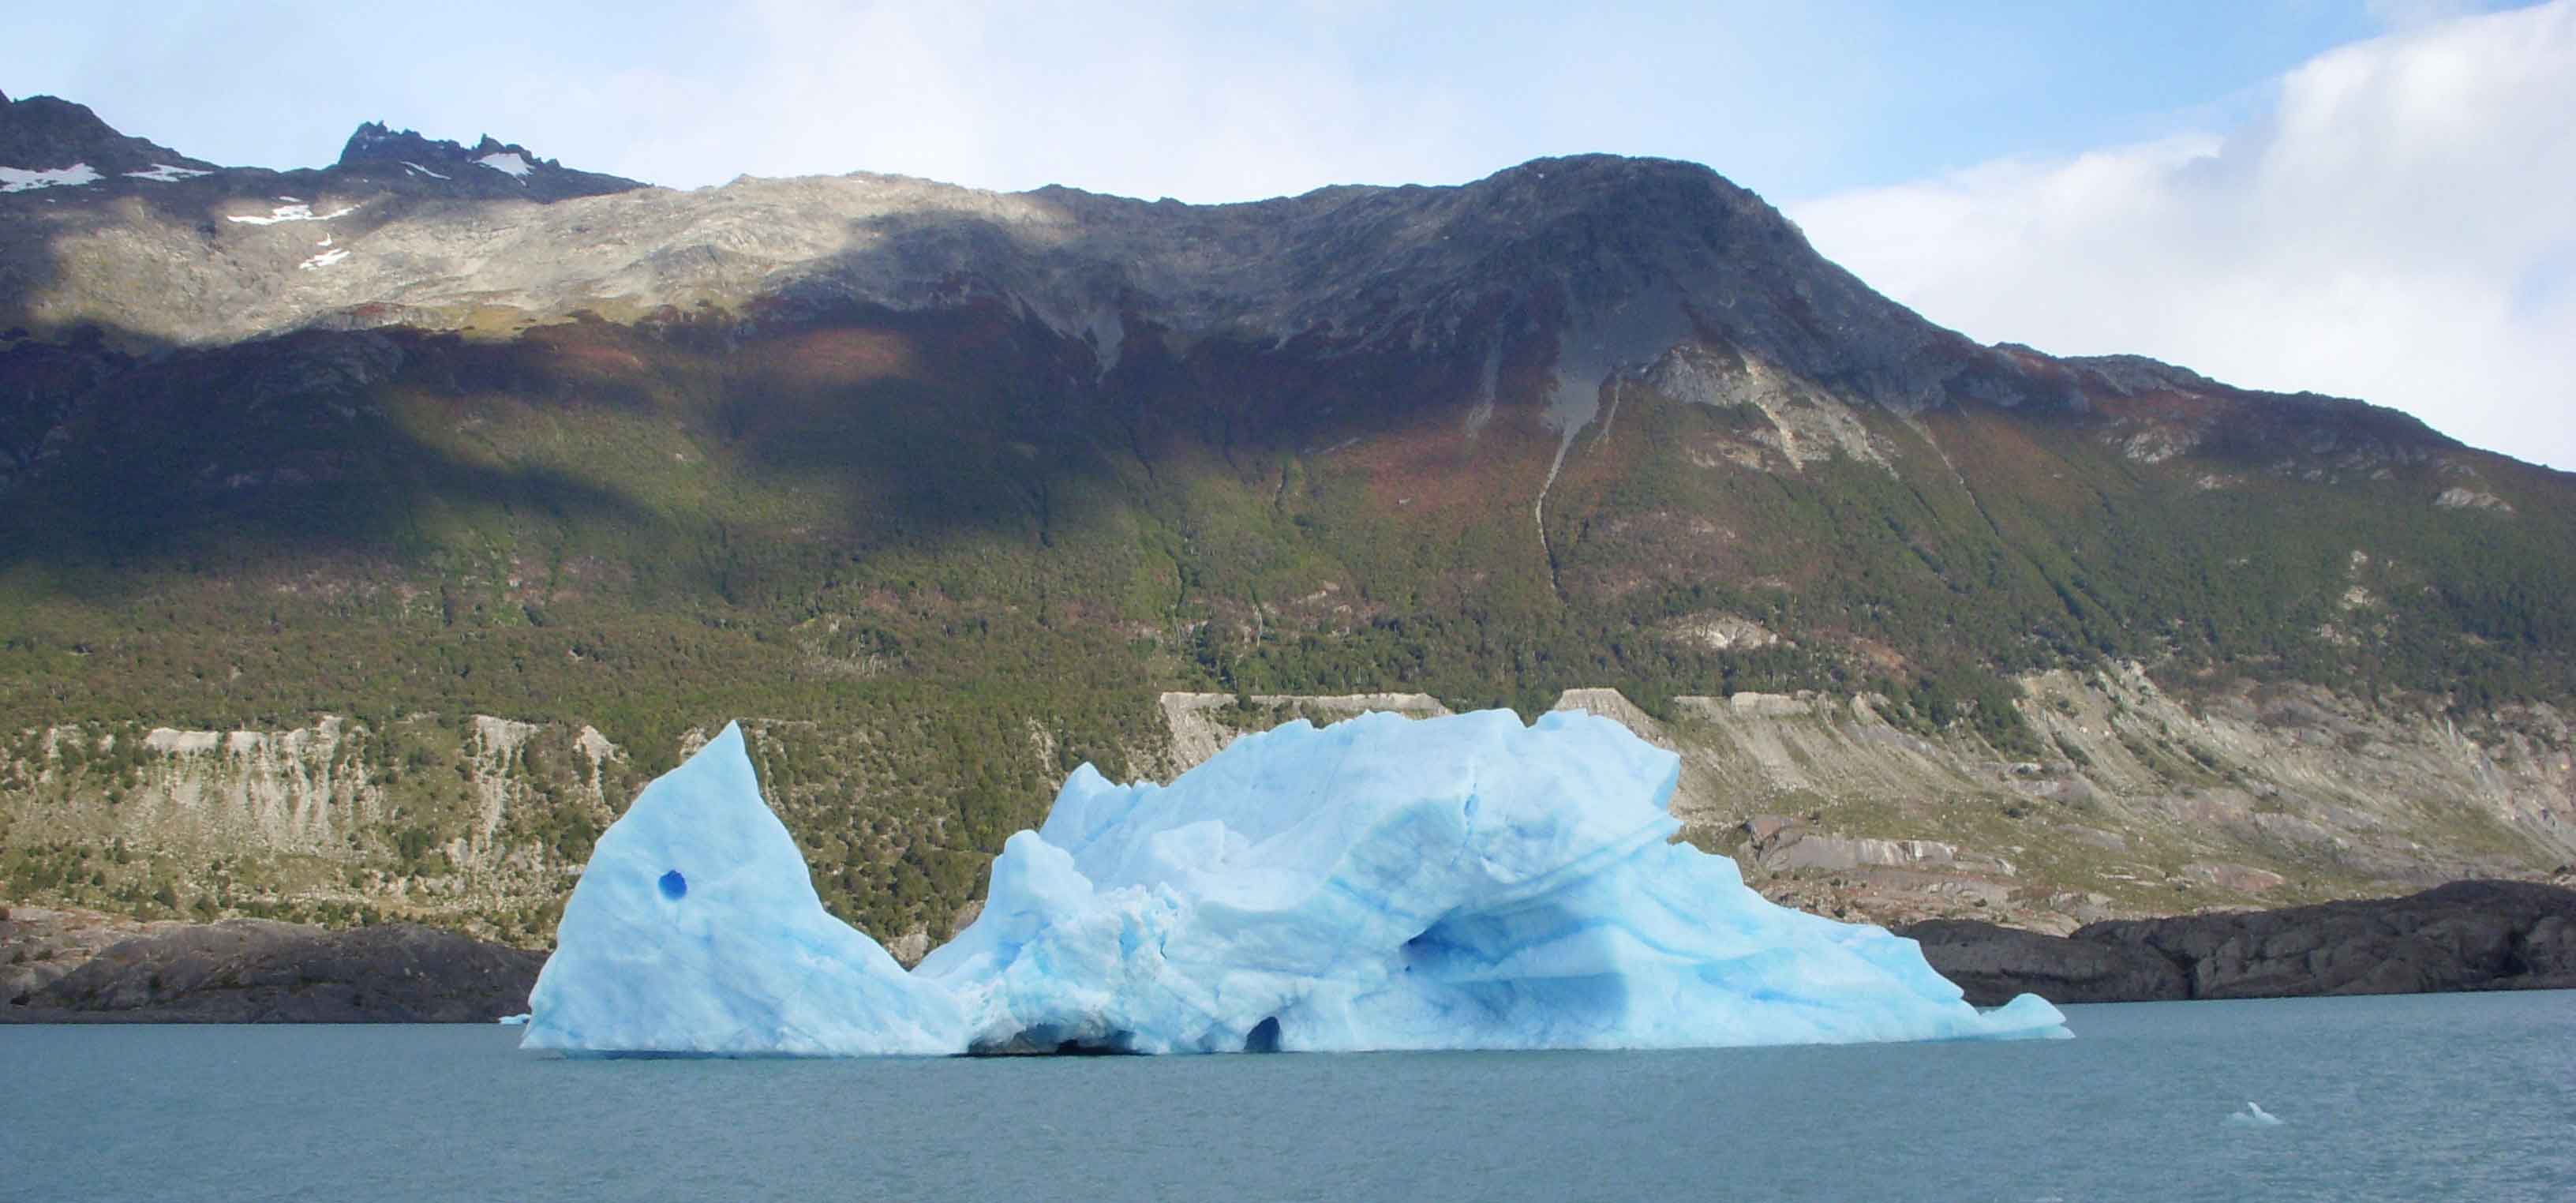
(936,575)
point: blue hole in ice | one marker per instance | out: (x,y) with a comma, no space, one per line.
(674,885)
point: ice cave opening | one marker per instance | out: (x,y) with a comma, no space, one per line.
(1264,1037)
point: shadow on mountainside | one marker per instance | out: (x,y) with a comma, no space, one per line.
(804,417)
(1045,374)
(315,442)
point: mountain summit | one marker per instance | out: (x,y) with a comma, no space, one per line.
(375,148)
(40,134)
(67,152)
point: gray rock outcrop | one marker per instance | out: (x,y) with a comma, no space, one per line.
(2470,935)
(1995,963)
(261,971)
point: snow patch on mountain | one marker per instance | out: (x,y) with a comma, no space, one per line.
(20,179)
(164,173)
(508,163)
(298,211)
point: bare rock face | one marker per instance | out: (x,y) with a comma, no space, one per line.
(2242,879)
(260,971)
(2470,935)
(1995,963)
(491,169)
(908,948)
(38,945)
(40,132)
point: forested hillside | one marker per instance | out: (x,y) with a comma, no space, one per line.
(948,505)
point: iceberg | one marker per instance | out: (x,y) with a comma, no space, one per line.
(695,929)
(1381,883)
(2253,1116)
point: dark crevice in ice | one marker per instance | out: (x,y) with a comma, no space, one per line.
(1264,1037)
(1047,1040)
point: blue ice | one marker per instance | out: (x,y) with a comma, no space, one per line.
(695,929)
(1382,883)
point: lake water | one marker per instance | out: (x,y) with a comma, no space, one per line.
(2423,1097)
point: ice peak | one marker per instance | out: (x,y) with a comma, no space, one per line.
(695,928)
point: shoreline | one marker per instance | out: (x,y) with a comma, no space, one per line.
(2466,936)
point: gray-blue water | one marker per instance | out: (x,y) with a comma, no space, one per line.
(2427,1097)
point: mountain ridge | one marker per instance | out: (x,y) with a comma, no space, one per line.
(47,132)
(1083,295)
(1508,196)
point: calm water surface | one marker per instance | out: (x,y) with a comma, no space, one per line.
(2427,1097)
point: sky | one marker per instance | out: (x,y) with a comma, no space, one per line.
(2369,198)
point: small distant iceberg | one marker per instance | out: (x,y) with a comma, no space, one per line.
(2253,1116)
(512,1021)
(1382,883)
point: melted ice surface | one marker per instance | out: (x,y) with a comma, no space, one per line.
(1383,883)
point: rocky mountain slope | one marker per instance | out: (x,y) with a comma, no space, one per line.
(368,534)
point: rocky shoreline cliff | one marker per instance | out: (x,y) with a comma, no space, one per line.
(85,967)
(2468,935)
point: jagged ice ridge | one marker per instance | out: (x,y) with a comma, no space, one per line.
(1382,883)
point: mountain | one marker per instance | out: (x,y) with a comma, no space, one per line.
(47,142)
(367,536)
(491,170)
(50,143)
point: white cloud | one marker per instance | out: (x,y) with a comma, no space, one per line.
(1204,102)
(1146,99)
(2414,14)
(2398,227)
